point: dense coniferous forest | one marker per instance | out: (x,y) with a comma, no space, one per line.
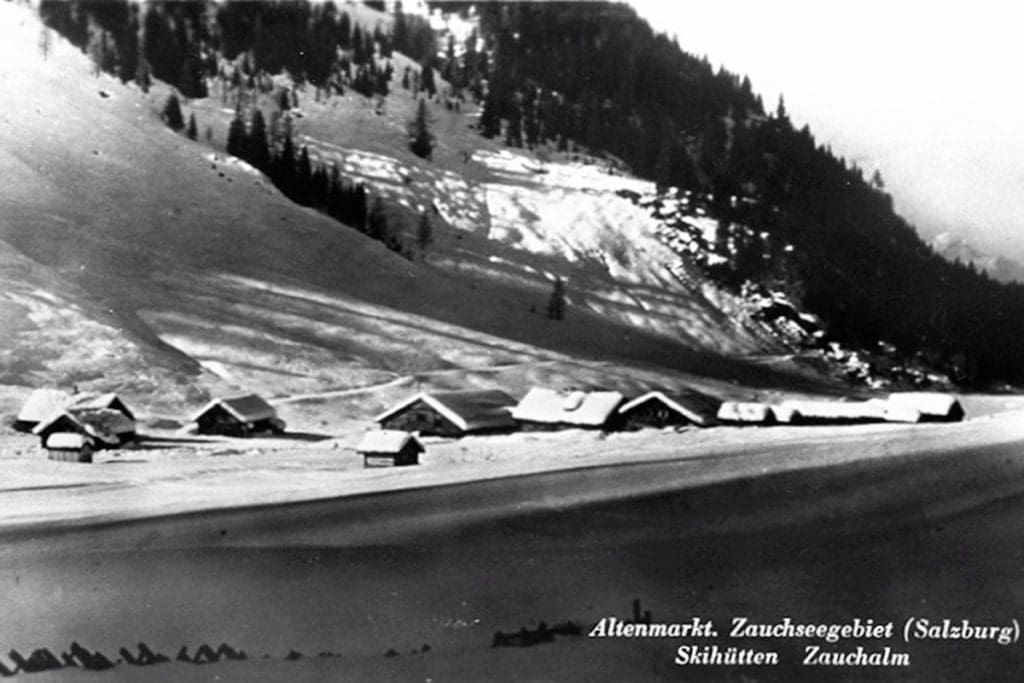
(622,89)
(568,75)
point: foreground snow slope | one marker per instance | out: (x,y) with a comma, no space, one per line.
(134,259)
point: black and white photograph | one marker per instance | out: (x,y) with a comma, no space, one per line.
(540,341)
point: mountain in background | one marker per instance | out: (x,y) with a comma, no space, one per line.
(954,248)
(138,259)
(459,177)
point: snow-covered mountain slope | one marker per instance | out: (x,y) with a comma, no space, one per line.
(137,260)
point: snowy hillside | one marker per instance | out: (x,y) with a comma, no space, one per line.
(134,259)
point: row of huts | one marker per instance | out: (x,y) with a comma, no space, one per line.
(72,425)
(458,413)
(79,422)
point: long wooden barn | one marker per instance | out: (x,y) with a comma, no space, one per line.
(659,410)
(238,416)
(451,413)
(547,410)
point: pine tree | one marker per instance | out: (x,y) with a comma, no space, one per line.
(490,117)
(399,30)
(780,110)
(344,31)
(876,180)
(335,193)
(303,178)
(556,304)
(172,113)
(236,137)
(257,149)
(377,224)
(421,141)
(142,77)
(283,167)
(427,80)
(192,131)
(358,49)
(359,216)
(424,232)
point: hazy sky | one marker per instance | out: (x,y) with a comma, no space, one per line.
(930,93)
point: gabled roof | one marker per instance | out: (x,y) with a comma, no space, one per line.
(467,410)
(694,406)
(42,403)
(387,441)
(247,408)
(103,424)
(67,441)
(93,401)
(585,409)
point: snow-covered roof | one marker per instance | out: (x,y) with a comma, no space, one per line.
(94,401)
(586,409)
(736,411)
(931,404)
(103,424)
(42,403)
(387,441)
(837,410)
(467,410)
(694,406)
(105,420)
(67,441)
(248,408)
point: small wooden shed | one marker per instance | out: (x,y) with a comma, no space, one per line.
(656,409)
(238,416)
(390,448)
(69,447)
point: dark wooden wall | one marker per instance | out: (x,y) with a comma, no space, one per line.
(420,417)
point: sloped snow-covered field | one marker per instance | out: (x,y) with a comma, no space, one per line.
(158,267)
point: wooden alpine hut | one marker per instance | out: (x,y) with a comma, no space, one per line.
(238,416)
(389,448)
(547,410)
(451,413)
(107,428)
(656,409)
